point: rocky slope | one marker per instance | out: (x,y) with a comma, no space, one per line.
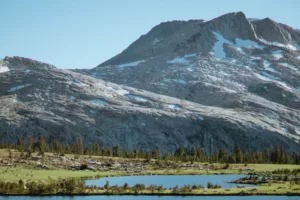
(39,99)
(230,62)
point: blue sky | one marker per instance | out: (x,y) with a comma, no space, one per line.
(85,33)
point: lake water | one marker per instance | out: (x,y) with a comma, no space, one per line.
(155,198)
(169,181)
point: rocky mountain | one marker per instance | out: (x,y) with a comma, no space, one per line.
(230,62)
(39,99)
(217,83)
(212,62)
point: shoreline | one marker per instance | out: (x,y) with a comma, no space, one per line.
(151,194)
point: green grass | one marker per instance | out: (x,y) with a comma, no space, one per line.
(266,167)
(29,173)
(19,172)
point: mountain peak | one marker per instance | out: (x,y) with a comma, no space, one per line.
(239,14)
(233,25)
(271,31)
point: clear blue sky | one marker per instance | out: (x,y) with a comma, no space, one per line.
(84,33)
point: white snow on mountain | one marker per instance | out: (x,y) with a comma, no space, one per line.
(132,64)
(13,89)
(155,41)
(174,107)
(4,69)
(137,98)
(239,43)
(293,47)
(178,60)
(181,60)
(218,49)
(98,101)
(277,54)
(79,83)
(267,66)
(179,81)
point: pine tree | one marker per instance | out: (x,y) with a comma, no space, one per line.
(297,158)
(78,146)
(201,156)
(223,155)
(41,144)
(56,146)
(179,153)
(19,144)
(275,155)
(266,156)
(156,154)
(30,143)
(95,149)
(115,151)
(238,154)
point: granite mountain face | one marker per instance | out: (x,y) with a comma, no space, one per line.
(215,63)
(217,83)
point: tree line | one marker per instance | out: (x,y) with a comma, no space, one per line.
(276,155)
(73,186)
(65,186)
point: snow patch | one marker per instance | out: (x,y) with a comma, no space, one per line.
(175,107)
(122,92)
(285,130)
(284,85)
(190,55)
(267,66)
(274,81)
(201,118)
(277,54)
(132,64)
(255,57)
(178,61)
(181,60)
(98,101)
(155,41)
(239,43)
(277,44)
(179,81)
(298,57)
(213,78)
(72,98)
(79,83)
(218,49)
(191,68)
(137,98)
(18,87)
(4,69)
